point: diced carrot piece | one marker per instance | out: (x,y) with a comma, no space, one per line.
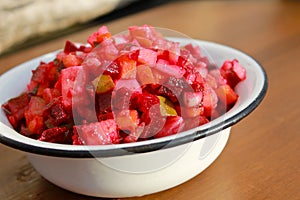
(226,94)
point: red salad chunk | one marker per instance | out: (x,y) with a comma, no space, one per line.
(121,89)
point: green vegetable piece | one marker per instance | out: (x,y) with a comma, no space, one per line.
(166,107)
(103,84)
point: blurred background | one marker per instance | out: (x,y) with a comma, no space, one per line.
(28,22)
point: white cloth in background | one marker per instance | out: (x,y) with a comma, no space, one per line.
(22,19)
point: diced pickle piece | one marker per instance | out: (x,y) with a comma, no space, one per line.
(103,84)
(166,107)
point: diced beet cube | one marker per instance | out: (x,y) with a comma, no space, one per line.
(154,122)
(174,53)
(44,76)
(133,137)
(92,65)
(127,120)
(15,109)
(127,67)
(40,73)
(33,87)
(190,78)
(194,50)
(105,116)
(99,36)
(57,113)
(73,80)
(50,93)
(58,85)
(210,100)
(147,100)
(99,133)
(113,70)
(104,103)
(85,113)
(211,81)
(25,131)
(72,47)
(125,99)
(166,92)
(39,80)
(106,52)
(190,112)
(76,139)
(54,72)
(194,122)
(215,113)
(143,31)
(220,80)
(171,70)
(71,60)
(147,56)
(162,54)
(130,138)
(131,84)
(172,126)
(159,77)
(233,72)
(56,135)
(15,124)
(176,86)
(145,35)
(149,105)
(192,99)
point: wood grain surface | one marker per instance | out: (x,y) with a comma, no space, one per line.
(262,158)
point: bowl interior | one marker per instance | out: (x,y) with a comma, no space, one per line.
(251,92)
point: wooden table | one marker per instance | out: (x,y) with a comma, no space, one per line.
(262,158)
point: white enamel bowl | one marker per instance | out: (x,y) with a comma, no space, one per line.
(141,168)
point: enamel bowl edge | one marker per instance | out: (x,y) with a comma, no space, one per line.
(134,169)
